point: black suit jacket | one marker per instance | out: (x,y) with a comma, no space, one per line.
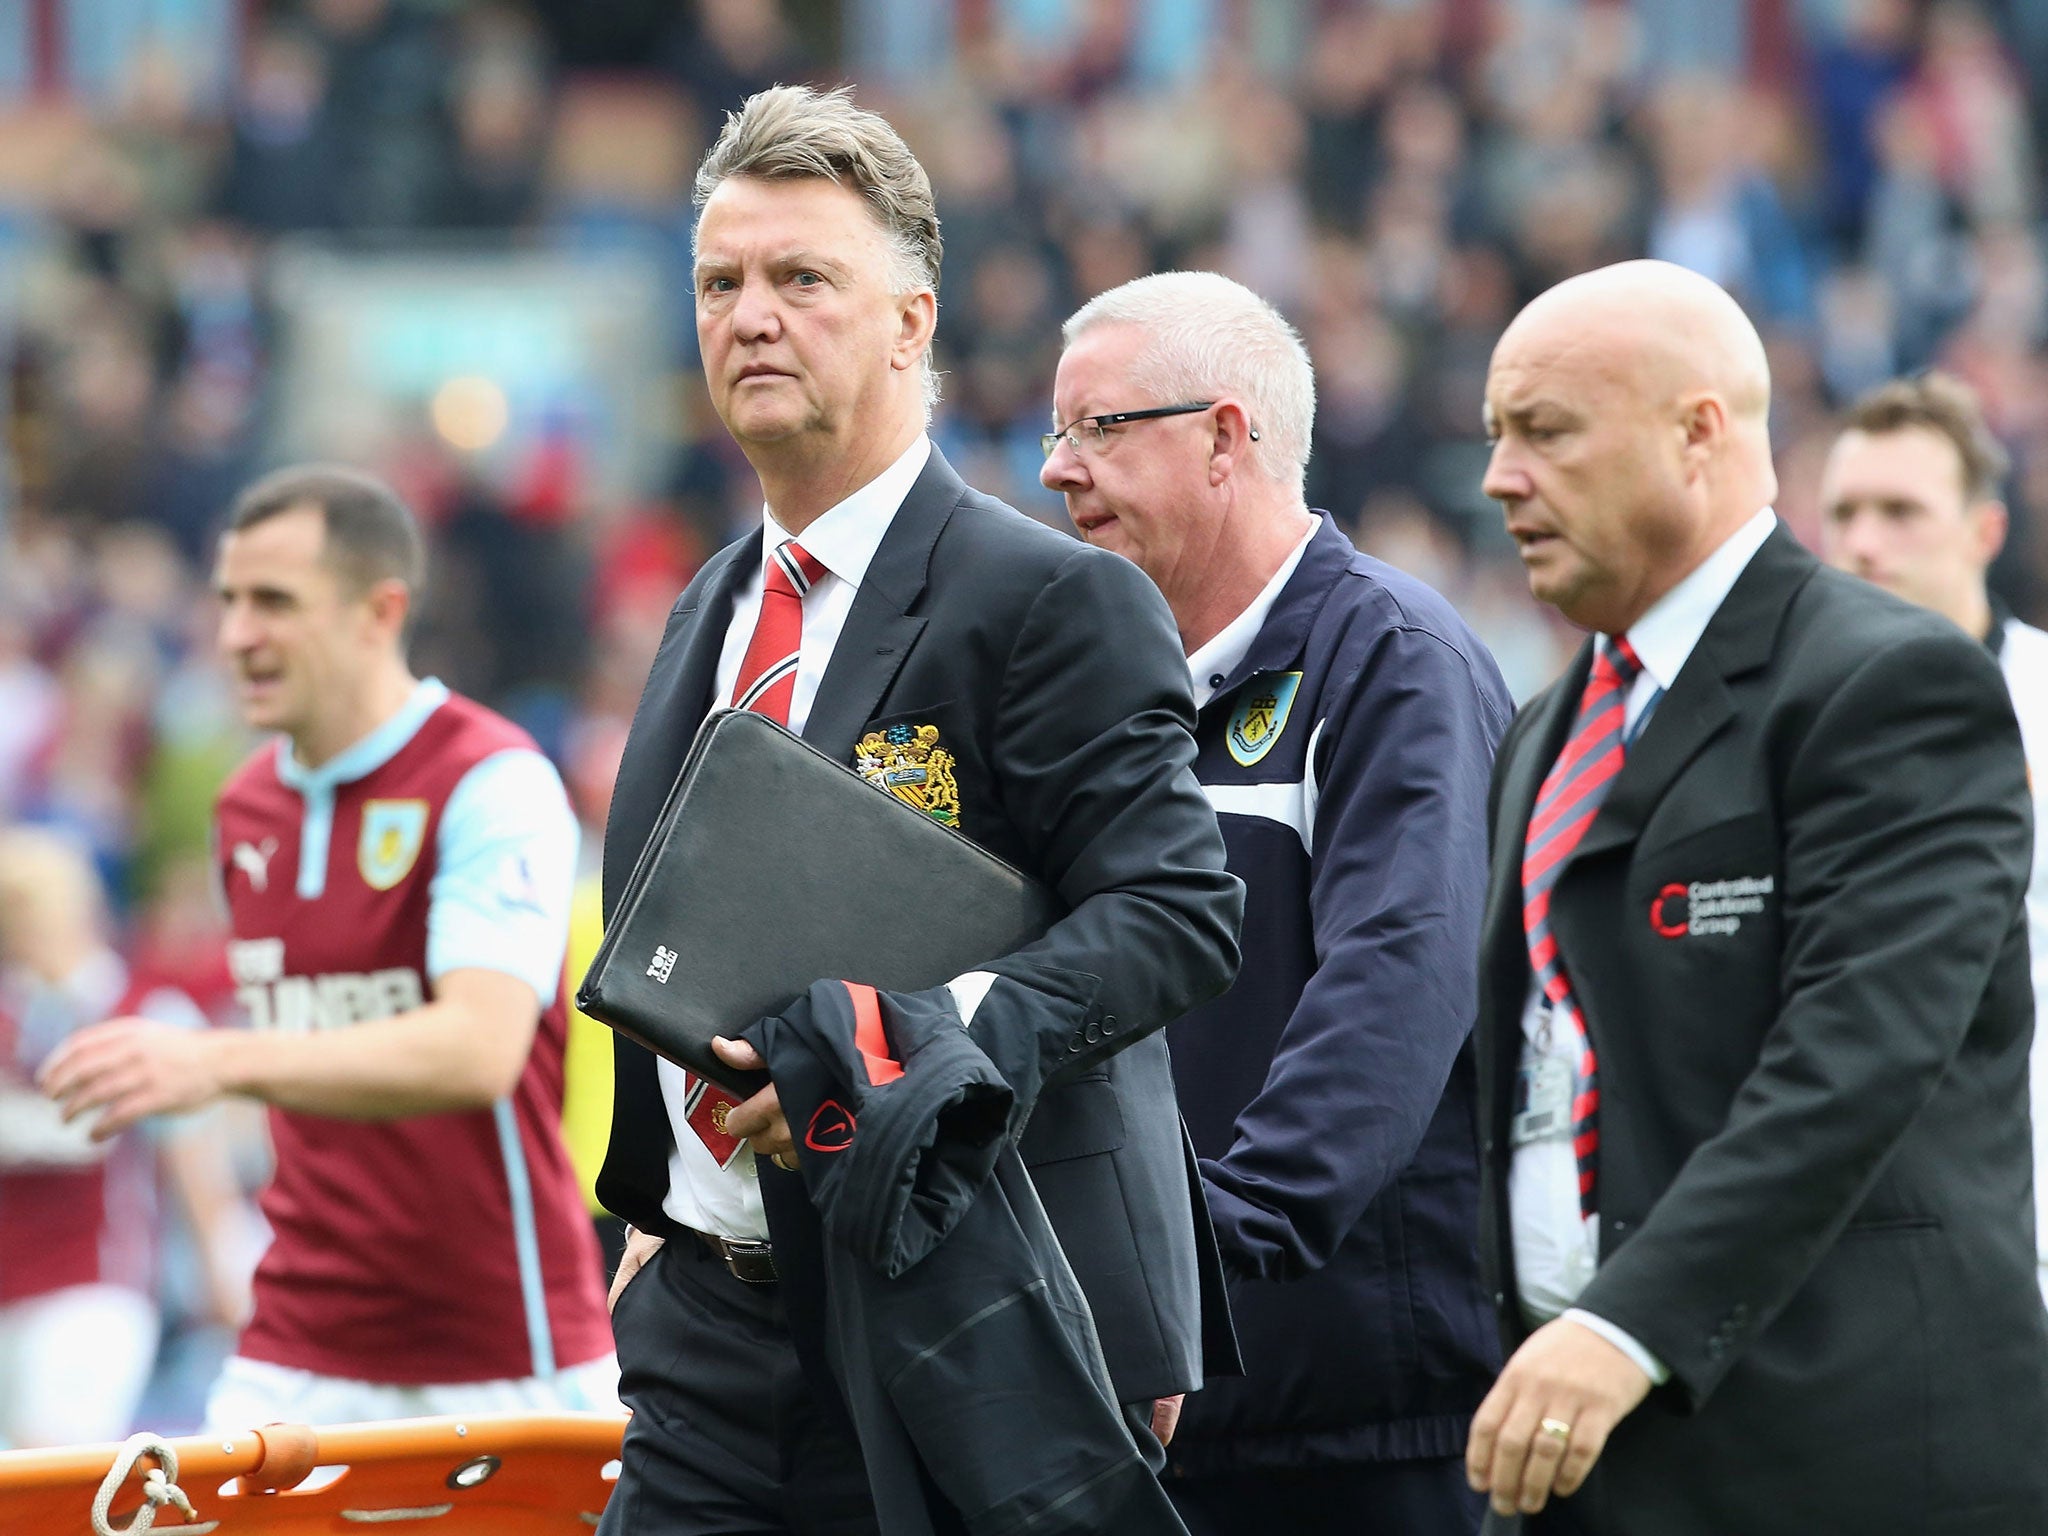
(1055,678)
(1795,929)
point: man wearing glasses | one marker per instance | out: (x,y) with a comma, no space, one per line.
(1347,726)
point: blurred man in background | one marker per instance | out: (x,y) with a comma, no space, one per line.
(1911,501)
(398,869)
(78,1216)
(1347,725)
(1754,1002)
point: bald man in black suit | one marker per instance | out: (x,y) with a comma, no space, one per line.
(1755,1005)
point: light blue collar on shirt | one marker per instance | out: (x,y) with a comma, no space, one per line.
(369,753)
(316,786)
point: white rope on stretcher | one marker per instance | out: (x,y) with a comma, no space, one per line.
(159,1487)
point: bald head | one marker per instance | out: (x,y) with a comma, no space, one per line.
(1671,330)
(1629,411)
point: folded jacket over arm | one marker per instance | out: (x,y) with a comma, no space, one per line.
(963,1345)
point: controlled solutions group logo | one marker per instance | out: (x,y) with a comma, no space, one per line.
(1701,908)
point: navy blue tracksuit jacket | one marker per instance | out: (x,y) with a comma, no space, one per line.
(1330,1091)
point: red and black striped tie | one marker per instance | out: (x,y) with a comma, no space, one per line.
(1565,807)
(766,685)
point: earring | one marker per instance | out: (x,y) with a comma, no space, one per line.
(1255,434)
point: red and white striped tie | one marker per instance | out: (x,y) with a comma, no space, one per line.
(1565,807)
(767,685)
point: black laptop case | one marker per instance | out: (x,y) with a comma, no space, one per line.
(772,866)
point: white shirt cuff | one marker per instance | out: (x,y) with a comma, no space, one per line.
(1623,1340)
(968,991)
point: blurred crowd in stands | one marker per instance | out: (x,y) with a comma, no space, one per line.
(1397,175)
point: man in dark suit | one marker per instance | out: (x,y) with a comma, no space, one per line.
(1012,683)
(1910,500)
(1347,723)
(1754,1002)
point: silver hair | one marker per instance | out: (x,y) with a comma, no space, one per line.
(1207,337)
(791,132)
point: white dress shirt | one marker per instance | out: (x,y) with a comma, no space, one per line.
(1210,664)
(727,1201)
(1556,1248)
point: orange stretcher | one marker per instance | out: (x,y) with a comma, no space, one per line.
(486,1475)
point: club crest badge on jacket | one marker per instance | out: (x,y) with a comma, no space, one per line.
(1261,715)
(909,763)
(393,832)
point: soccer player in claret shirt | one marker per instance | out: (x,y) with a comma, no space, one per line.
(398,870)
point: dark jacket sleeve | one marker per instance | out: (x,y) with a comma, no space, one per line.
(1397,881)
(1908,838)
(1094,738)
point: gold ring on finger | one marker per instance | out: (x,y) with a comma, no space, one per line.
(1558,1427)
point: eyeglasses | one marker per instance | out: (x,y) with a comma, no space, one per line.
(1071,433)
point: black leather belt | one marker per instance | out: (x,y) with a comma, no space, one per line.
(751,1262)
